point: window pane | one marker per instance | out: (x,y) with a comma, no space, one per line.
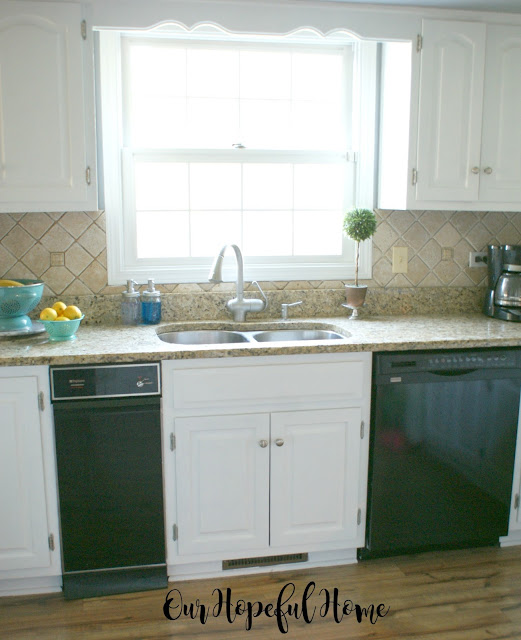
(158,70)
(161,185)
(212,122)
(265,124)
(215,186)
(318,233)
(213,229)
(212,73)
(267,233)
(267,186)
(317,76)
(317,125)
(319,186)
(265,74)
(162,234)
(158,123)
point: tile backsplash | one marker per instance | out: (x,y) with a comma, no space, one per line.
(68,251)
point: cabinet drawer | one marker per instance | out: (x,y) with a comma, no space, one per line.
(236,386)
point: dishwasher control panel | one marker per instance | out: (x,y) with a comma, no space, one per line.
(105,381)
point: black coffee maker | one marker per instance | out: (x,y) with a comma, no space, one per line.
(503,297)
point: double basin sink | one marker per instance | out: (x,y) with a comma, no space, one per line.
(225,336)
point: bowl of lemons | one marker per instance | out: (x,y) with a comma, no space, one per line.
(61,321)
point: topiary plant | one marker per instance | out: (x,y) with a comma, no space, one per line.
(360,225)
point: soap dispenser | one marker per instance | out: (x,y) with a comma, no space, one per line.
(151,304)
(130,305)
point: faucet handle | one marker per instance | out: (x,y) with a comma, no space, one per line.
(284,308)
(262,294)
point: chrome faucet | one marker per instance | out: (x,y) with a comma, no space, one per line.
(238,306)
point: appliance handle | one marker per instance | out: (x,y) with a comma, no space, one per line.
(452,372)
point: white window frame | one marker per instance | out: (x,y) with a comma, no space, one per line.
(122,262)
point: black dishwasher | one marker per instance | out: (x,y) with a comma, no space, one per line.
(443,439)
(108,449)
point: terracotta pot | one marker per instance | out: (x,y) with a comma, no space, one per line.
(355,298)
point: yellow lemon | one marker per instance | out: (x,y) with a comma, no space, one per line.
(62,318)
(48,314)
(59,307)
(71,312)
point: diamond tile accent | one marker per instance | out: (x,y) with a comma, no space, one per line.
(433,221)
(18,241)
(77,259)
(94,277)
(57,239)
(6,224)
(93,240)
(447,236)
(57,279)
(76,223)
(416,236)
(385,236)
(37,259)
(431,253)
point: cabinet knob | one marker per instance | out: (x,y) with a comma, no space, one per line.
(475,170)
(263,444)
(488,170)
(279,442)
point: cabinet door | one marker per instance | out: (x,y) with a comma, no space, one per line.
(315,476)
(222,483)
(45,104)
(501,144)
(450,111)
(23,516)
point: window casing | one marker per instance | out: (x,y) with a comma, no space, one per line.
(174,194)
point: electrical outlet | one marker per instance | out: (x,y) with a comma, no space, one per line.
(477,259)
(400,259)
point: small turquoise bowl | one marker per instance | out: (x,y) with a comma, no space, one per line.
(59,330)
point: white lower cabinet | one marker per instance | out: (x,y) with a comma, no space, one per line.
(260,474)
(29,536)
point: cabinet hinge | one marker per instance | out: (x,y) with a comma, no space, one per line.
(172,442)
(175,532)
(41,401)
(362,430)
(51,542)
(87,175)
(419,43)
(359,516)
(84,29)
(516,501)
(414,178)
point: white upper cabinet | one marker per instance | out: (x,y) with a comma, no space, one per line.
(449,132)
(47,142)
(500,177)
(465,132)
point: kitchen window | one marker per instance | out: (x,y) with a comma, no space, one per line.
(216,139)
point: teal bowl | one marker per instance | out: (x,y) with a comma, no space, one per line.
(59,330)
(16,302)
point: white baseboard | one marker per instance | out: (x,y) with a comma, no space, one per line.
(202,570)
(511,540)
(30,586)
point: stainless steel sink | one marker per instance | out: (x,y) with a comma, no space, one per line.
(289,335)
(202,337)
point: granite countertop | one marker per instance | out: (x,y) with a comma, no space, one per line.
(112,343)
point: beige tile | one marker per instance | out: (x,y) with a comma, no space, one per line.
(461,280)
(385,237)
(447,271)
(508,235)
(416,236)
(416,270)
(430,253)
(94,277)
(298,285)
(76,222)
(19,270)
(494,221)
(447,236)
(515,220)
(382,272)
(77,259)
(58,279)
(37,259)
(57,239)
(192,287)
(6,224)
(401,221)
(399,281)
(433,221)
(93,240)
(331,284)
(94,215)
(461,253)
(17,217)
(479,236)
(18,241)
(101,221)
(102,258)
(7,260)
(463,221)
(431,280)
(36,224)
(76,288)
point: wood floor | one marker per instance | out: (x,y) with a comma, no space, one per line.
(456,595)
